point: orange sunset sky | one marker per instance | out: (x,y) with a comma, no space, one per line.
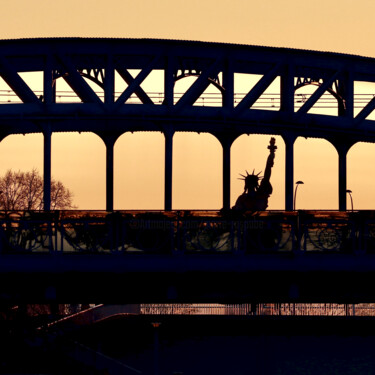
(344,26)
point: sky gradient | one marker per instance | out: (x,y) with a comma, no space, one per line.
(344,26)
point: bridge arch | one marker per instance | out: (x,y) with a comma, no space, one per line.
(320,189)
(100,60)
(80,159)
(135,187)
(197,171)
(361,171)
(31,157)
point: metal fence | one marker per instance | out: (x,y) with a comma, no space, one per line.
(262,309)
(187,231)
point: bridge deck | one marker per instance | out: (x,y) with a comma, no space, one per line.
(140,257)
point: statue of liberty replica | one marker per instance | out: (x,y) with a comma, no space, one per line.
(255,195)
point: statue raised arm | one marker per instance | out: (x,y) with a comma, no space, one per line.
(255,195)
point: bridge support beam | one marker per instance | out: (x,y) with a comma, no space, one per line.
(226,140)
(289,171)
(342,148)
(168,135)
(226,174)
(109,140)
(47,137)
(342,178)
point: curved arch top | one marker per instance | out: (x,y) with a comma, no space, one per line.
(77,59)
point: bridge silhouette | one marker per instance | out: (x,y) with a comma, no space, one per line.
(186,256)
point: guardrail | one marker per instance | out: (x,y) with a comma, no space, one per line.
(187,231)
(267,100)
(261,309)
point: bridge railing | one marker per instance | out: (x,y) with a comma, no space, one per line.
(262,309)
(170,232)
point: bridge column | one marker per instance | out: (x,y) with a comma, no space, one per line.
(342,151)
(226,141)
(168,160)
(289,171)
(342,148)
(109,140)
(47,135)
(226,174)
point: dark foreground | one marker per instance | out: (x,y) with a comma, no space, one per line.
(199,345)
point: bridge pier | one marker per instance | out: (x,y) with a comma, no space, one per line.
(289,171)
(342,148)
(226,141)
(47,136)
(168,162)
(226,174)
(109,140)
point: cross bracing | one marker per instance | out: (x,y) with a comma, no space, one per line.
(91,68)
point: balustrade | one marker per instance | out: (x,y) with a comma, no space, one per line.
(170,232)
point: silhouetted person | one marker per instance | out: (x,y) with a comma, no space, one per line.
(255,196)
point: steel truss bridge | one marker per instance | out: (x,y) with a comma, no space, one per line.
(112,256)
(227,115)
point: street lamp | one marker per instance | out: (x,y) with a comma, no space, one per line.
(295,193)
(351,198)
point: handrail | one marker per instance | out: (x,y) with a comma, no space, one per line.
(188,231)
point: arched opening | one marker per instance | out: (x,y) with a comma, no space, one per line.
(197,172)
(361,171)
(78,161)
(316,164)
(21,153)
(251,153)
(139,171)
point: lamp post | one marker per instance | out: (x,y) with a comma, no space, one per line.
(351,198)
(295,193)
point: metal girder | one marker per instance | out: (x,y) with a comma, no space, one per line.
(128,78)
(16,83)
(323,87)
(365,111)
(98,59)
(135,84)
(253,95)
(74,79)
(200,85)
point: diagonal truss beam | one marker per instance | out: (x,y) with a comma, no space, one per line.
(16,83)
(77,83)
(135,83)
(254,94)
(201,84)
(128,78)
(318,93)
(362,115)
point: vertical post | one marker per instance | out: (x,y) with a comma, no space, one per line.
(226,144)
(168,161)
(109,82)
(109,144)
(47,135)
(289,171)
(49,88)
(168,81)
(228,83)
(342,151)
(287,90)
(346,92)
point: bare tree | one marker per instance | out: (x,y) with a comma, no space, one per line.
(24,191)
